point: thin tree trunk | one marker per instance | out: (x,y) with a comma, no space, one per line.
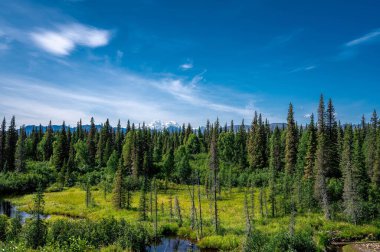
(261,203)
(215,203)
(151,201)
(252,189)
(156,210)
(247,217)
(200,206)
(171,206)
(265,204)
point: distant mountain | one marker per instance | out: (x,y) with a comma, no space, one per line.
(171,126)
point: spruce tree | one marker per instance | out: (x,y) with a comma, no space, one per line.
(321,161)
(241,147)
(290,143)
(91,144)
(10,146)
(34,138)
(128,151)
(331,128)
(36,230)
(302,152)
(60,149)
(3,137)
(168,166)
(119,139)
(257,144)
(118,194)
(274,167)
(309,175)
(47,143)
(350,193)
(358,162)
(375,179)
(20,157)
(371,145)
(311,149)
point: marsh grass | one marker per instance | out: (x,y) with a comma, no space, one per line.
(71,203)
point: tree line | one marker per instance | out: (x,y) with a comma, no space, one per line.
(322,166)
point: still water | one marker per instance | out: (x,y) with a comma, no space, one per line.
(172,245)
(9,210)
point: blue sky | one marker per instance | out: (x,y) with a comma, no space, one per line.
(187,61)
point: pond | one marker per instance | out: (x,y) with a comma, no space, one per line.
(171,244)
(11,211)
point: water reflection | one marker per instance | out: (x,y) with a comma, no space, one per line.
(11,211)
(173,244)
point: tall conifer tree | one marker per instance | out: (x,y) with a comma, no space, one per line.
(91,144)
(20,157)
(290,143)
(3,138)
(321,161)
(10,146)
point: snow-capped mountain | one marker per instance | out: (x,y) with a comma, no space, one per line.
(160,125)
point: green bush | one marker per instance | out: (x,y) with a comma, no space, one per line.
(255,241)
(35,234)
(169,229)
(76,235)
(18,183)
(3,227)
(15,228)
(283,241)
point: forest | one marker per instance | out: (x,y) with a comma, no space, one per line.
(243,187)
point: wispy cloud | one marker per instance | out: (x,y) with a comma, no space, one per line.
(186,66)
(351,48)
(303,69)
(130,96)
(367,38)
(63,40)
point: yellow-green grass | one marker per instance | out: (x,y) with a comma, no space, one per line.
(71,203)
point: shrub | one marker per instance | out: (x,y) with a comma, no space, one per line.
(283,241)
(169,229)
(3,227)
(255,241)
(35,234)
(15,228)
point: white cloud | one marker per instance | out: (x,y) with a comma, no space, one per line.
(129,96)
(186,66)
(350,49)
(303,69)
(307,115)
(65,38)
(364,39)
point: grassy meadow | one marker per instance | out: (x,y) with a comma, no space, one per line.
(70,203)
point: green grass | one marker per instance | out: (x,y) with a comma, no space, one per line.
(71,203)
